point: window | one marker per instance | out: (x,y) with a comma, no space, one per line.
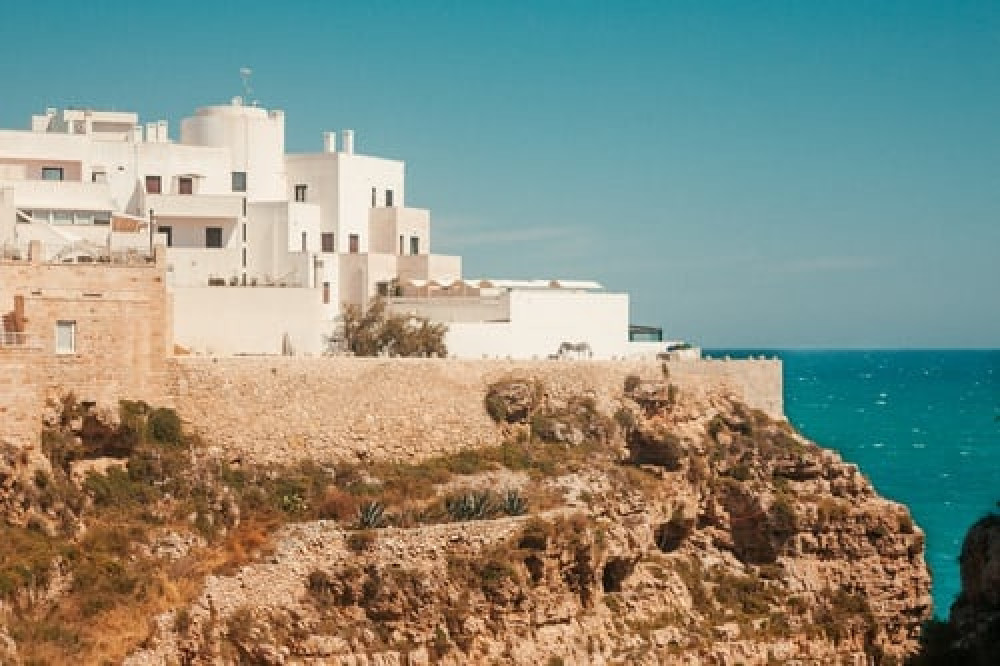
(99,177)
(244,232)
(244,260)
(327,240)
(373,197)
(300,192)
(353,244)
(52,173)
(185,185)
(102,218)
(213,236)
(239,181)
(65,337)
(305,242)
(244,206)
(326,293)
(382,289)
(169,231)
(153,184)
(401,246)
(414,245)
(388,198)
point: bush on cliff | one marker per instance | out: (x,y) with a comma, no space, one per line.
(374,331)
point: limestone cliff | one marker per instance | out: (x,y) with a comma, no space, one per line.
(975,615)
(972,634)
(663,526)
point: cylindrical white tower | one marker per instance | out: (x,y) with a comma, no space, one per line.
(349,142)
(255,139)
(329,142)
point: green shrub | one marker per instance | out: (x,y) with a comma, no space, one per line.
(474,505)
(496,407)
(513,503)
(165,427)
(116,489)
(371,515)
(374,331)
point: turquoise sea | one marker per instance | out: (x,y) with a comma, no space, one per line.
(924,426)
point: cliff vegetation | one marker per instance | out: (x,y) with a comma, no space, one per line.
(665,527)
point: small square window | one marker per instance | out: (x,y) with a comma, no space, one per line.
(327,241)
(354,243)
(153,185)
(52,173)
(414,245)
(239,181)
(185,185)
(300,192)
(213,237)
(99,177)
(65,337)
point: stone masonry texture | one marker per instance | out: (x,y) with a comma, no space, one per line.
(285,409)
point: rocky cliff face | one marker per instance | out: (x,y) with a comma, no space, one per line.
(972,634)
(666,527)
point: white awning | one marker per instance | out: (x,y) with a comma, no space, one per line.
(576,284)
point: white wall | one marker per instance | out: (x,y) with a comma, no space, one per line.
(319,174)
(254,139)
(223,321)
(542,320)
(386,225)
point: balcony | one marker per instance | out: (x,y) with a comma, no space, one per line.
(195,205)
(60,195)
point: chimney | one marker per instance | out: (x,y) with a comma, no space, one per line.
(329,142)
(161,133)
(348,142)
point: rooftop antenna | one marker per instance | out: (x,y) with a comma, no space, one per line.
(245,73)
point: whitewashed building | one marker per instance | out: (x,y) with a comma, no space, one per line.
(265,248)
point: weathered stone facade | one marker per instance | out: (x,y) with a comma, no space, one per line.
(276,408)
(121,317)
(282,409)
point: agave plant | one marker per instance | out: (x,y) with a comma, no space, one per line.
(371,515)
(513,503)
(473,505)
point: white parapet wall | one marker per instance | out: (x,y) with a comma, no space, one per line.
(224,321)
(541,321)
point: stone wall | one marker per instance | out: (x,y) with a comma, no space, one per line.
(283,409)
(122,341)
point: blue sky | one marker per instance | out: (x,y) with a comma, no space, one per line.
(754,173)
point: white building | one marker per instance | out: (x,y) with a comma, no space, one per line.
(264,248)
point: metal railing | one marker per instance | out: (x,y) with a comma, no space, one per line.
(80,252)
(18,340)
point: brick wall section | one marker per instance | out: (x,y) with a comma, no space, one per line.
(20,401)
(281,409)
(122,336)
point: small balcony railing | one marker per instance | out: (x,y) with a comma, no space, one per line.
(18,340)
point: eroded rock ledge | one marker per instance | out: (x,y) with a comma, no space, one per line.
(664,527)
